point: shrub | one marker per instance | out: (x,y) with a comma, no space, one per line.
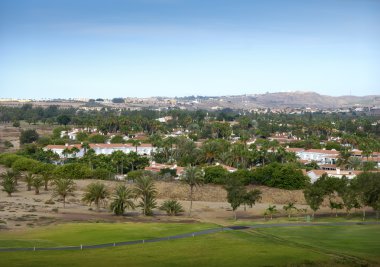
(242,176)
(284,176)
(28,136)
(172,207)
(133,175)
(171,172)
(8,159)
(73,171)
(25,164)
(97,138)
(7,144)
(215,175)
(101,174)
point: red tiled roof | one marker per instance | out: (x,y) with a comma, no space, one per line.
(322,151)
(79,146)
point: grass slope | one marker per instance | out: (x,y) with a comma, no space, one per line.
(293,246)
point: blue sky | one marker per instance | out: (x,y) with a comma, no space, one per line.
(139,48)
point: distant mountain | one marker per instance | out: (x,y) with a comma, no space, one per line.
(312,99)
(289,99)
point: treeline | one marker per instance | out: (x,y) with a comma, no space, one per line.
(344,193)
(91,166)
(308,126)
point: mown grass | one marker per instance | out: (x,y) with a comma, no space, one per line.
(294,246)
(297,219)
(357,240)
(75,234)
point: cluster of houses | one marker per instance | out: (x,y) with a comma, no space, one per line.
(326,159)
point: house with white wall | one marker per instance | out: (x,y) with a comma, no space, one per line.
(106,149)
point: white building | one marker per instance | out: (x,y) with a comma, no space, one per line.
(315,174)
(106,149)
(321,156)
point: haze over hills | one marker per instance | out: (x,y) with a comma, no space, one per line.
(312,99)
(289,99)
(280,100)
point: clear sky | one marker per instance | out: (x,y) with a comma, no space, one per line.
(139,48)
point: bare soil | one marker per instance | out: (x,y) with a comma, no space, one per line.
(26,209)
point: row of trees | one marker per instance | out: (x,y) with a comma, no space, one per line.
(360,192)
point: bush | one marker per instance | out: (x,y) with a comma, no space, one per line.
(133,175)
(44,141)
(215,175)
(97,138)
(102,174)
(25,164)
(284,176)
(8,159)
(241,176)
(7,144)
(171,172)
(28,136)
(172,207)
(73,171)
(117,139)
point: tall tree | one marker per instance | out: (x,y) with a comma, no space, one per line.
(193,177)
(314,196)
(147,192)
(235,196)
(63,187)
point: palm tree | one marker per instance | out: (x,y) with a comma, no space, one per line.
(66,152)
(270,211)
(172,207)
(193,176)
(85,146)
(288,208)
(344,157)
(122,200)
(29,180)
(15,174)
(8,182)
(135,143)
(95,192)
(37,183)
(119,158)
(354,163)
(47,173)
(74,151)
(146,191)
(63,187)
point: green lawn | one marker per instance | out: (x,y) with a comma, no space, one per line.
(293,246)
(75,234)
